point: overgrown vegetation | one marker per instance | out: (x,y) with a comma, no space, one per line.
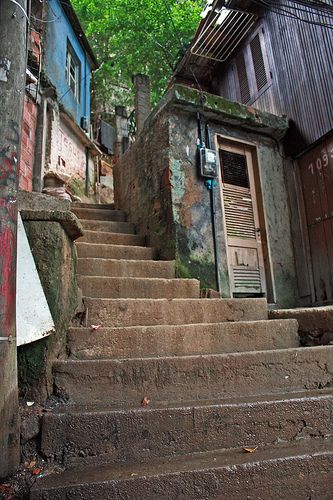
(136,36)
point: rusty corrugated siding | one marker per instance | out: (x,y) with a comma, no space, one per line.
(316,169)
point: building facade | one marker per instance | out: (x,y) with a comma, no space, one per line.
(56,133)
(278,57)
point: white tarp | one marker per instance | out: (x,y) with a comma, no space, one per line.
(33,317)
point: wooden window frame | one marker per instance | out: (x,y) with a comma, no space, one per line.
(249,65)
(73,65)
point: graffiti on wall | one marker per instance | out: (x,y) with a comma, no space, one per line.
(8,207)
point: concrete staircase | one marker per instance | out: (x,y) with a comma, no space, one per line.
(218,374)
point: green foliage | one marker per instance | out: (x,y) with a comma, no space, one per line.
(136,36)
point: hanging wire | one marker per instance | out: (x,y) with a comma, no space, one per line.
(290,11)
(22,9)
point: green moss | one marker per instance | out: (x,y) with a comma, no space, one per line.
(31,365)
(229,110)
(203,270)
(56,262)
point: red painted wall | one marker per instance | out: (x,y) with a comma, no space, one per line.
(28,143)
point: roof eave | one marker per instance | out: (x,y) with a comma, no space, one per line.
(74,20)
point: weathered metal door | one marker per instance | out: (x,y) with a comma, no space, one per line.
(316,169)
(244,246)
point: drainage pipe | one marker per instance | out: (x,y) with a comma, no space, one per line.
(211,186)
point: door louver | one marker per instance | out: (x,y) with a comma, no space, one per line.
(234,169)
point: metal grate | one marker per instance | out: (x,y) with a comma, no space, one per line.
(234,168)
(221,34)
(258,63)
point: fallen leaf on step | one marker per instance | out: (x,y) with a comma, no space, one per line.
(248,449)
(145,401)
(5,488)
(37,471)
(95,327)
(30,465)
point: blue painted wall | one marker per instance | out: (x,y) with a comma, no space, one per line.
(58,31)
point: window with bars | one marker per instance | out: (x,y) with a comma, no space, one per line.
(73,71)
(251,68)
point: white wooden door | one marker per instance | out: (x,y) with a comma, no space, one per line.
(241,218)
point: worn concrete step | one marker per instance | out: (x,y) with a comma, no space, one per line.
(298,472)
(155,288)
(100,214)
(175,340)
(102,251)
(111,435)
(147,312)
(112,238)
(108,226)
(109,206)
(194,377)
(127,268)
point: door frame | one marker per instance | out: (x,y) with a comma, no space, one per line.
(219,139)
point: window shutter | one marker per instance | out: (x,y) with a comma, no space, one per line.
(244,87)
(258,63)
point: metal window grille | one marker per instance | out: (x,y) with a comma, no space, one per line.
(223,31)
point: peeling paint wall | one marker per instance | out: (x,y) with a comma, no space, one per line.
(139,188)
(59,33)
(143,186)
(65,153)
(27,143)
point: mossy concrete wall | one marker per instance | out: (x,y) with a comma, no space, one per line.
(143,186)
(167,146)
(50,234)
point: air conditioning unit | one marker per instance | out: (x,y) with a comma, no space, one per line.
(85,123)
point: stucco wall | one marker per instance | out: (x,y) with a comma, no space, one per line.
(168,145)
(28,143)
(65,153)
(143,186)
(192,215)
(58,31)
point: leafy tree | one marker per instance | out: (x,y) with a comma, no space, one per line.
(136,36)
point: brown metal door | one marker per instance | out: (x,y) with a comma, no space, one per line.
(244,246)
(316,169)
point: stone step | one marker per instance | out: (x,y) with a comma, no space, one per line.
(108,226)
(127,268)
(298,472)
(147,312)
(112,238)
(181,340)
(111,435)
(100,214)
(126,252)
(109,206)
(195,377)
(154,288)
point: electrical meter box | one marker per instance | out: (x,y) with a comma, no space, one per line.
(208,163)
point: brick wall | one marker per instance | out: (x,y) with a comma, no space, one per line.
(28,143)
